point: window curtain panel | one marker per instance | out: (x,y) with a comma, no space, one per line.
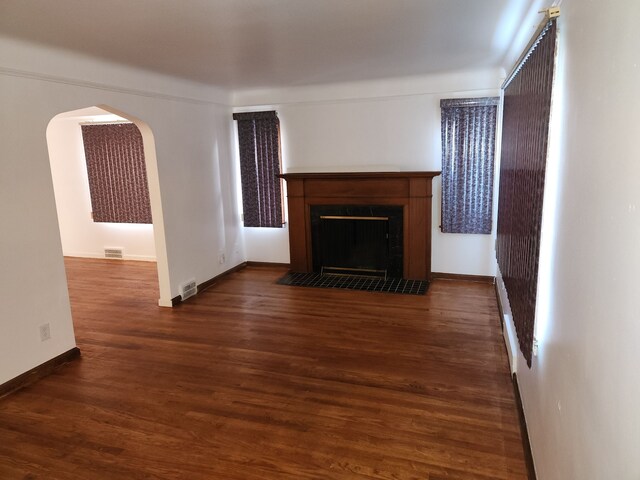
(526,111)
(259,142)
(117,173)
(468,148)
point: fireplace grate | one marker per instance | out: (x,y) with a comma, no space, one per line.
(356,282)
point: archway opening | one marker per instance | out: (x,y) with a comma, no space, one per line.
(81,236)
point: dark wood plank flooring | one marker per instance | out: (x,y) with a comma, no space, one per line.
(252,380)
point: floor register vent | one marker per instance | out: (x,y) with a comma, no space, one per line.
(188,289)
(112,252)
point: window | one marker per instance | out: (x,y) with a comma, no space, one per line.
(259,139)
(468,146)
(525,132)
(117,173)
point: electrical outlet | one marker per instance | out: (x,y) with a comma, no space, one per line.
(221,259)
(45,332)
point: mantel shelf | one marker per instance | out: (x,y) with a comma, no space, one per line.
(347,175)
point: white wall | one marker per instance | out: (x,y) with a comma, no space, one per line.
(192,128)
(377,125)
(80,235)
(581,394)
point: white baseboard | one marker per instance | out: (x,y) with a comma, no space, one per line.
(163,302)
(511,340)
(509,330)
(140,258)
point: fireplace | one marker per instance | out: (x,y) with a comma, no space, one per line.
(357,239)
(408,192)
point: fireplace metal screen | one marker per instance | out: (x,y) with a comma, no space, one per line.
(354,244)
(361,240)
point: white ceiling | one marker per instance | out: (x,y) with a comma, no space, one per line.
(244,44)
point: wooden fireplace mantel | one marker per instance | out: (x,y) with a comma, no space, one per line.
(411,190)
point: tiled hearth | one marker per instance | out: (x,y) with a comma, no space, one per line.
(356,282)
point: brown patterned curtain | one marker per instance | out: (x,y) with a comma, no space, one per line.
(259,139)
(527,104)
(117,173)
(468,146)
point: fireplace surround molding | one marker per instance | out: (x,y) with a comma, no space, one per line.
(410,190)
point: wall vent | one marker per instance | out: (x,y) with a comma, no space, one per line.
(113,252)
(188,289)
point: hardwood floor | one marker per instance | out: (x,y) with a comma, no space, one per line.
(252,380)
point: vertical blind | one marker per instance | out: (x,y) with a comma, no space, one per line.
(468,147)
(117,173)
(259,142)
(527,105)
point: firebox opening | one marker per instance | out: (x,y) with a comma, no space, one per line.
(357,240)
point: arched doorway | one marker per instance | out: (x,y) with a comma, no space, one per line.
(80,235)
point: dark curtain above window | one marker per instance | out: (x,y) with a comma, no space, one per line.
(468,147)
(526,110)
(117,173)
(259,139)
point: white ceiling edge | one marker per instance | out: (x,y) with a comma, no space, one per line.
(72,67)
(253,44)
(528,27)
(469,81)
(29,59)
(88,114)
